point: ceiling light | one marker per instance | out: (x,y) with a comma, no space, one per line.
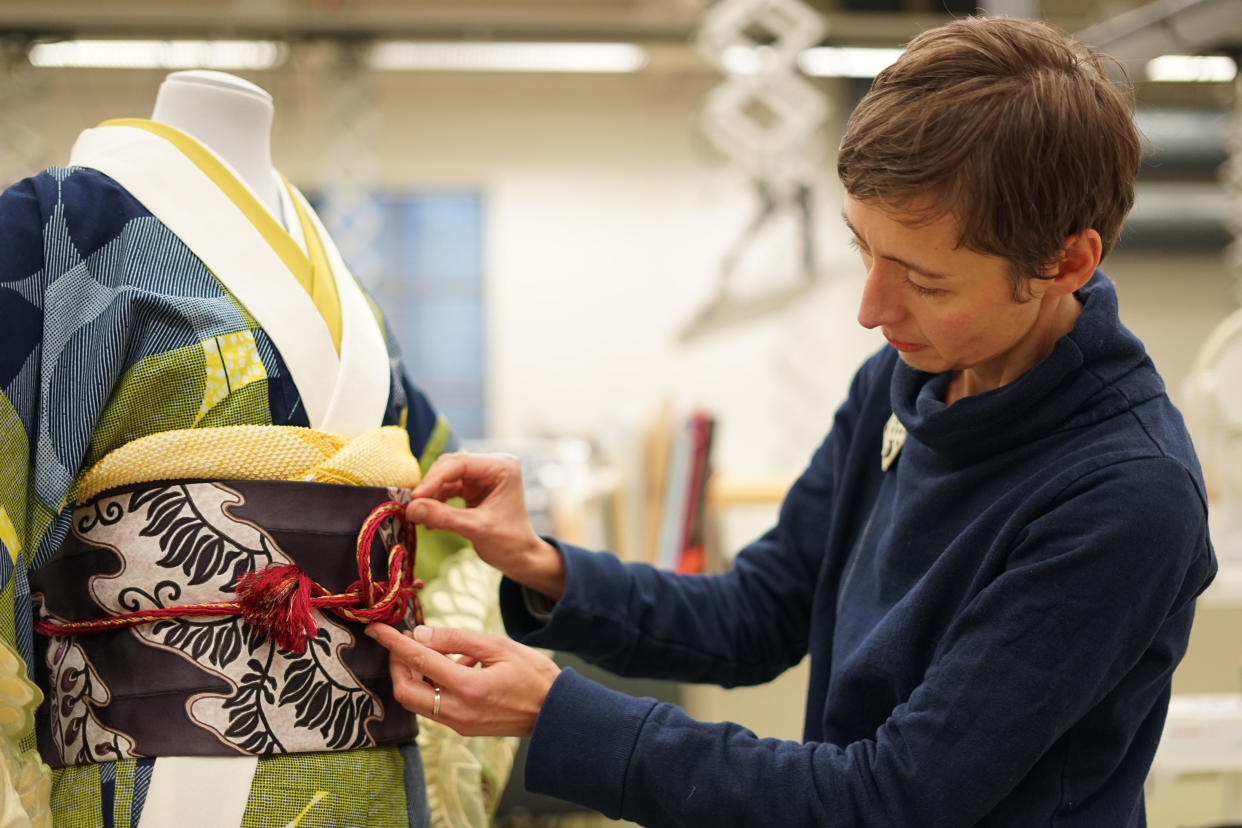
(507,57)
(846,61)
(159,54)
(748,60)
(1191,68)
(820,61)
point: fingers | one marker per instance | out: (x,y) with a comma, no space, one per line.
(436,515)
(406,683)
(426,653)
(446,467)
(408,686)
(443,480)
(452,474)
(476,645)
(467,475)
(385,634)
(412,692)
(496,689)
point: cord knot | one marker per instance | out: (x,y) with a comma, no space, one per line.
(276,603)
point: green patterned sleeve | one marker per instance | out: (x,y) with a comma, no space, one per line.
(15,537)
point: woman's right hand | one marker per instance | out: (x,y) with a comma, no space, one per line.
(495,520)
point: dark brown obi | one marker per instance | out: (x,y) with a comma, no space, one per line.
(210,685)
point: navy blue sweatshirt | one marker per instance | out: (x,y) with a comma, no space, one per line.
(993,621)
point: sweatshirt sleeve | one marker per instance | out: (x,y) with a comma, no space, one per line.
(741,627)
(1094,603)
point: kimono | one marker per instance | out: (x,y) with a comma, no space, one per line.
(144,289)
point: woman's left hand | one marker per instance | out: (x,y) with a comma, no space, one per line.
(496,689)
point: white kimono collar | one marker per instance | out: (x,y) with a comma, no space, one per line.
(203,201)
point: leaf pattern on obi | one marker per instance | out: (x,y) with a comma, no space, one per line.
(248,727)
(188,540)
(324,704)
(319,701)
(219,641)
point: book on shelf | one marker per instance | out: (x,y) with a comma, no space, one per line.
(693,558)
(681,535)
(660,472)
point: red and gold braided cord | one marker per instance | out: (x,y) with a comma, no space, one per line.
(277,600)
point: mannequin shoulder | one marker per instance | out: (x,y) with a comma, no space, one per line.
(87,202)
(61,212)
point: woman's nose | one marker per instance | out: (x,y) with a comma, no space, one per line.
(880,303)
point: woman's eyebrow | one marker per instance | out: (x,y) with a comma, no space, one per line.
(919,269)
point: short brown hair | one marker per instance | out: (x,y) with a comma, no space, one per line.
(1011,126)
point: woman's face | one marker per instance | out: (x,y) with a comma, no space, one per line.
(945,307)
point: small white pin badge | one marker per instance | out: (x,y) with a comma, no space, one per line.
(894,439)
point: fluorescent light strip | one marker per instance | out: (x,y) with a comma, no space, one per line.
(846,61)
(159,54)
(857,62)
(405,55)
(1191,68)
(820,61)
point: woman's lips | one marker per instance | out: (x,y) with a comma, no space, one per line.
(905,346)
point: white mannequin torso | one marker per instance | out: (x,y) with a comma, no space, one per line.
(233,118)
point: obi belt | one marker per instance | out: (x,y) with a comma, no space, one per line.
(211,596)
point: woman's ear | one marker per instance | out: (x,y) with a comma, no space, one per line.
(1079,259)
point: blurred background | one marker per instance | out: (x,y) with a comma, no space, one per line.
(607,234)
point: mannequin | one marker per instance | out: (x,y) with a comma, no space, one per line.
(157,292)
(232,117)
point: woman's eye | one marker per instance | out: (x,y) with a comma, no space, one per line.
(922,290)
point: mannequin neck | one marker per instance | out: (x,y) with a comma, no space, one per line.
(230,116)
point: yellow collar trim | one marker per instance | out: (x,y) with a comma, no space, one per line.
(322,287)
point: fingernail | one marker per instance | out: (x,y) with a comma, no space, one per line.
(422,633)
(417,512)
(370,630)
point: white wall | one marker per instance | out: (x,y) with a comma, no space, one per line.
(607,220)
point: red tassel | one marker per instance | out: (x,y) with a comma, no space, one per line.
(276,602)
